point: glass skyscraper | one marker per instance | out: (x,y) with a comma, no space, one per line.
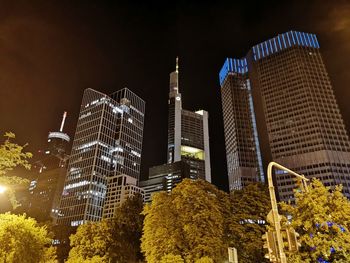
(107,143)
(296,110)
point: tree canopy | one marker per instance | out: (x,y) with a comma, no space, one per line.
(111,240)
(322,218)
(189,222)
(11,156)
(249,208)
(22,240)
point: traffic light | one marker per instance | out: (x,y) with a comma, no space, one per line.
(292,236)
(270,242)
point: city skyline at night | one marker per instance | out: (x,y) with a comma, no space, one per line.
(51,53)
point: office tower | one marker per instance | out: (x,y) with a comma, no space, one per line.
(244,164)
(164,178)
(188,133)
(107,143)
(48,174)
(298,112)
(120,187)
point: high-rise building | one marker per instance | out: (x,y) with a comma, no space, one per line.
(188,133)
(48,174)
(120,187)
(244,163)
(164,178)
(107,143)
(296,110)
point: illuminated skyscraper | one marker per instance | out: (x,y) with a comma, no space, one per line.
(188,134)
(48,174)
(244,164)
(107,144)
(296,109)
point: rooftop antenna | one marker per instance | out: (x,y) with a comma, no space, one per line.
(177,65)
(63,120)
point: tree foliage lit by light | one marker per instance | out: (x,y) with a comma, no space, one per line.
(322,218)
(11,156)
(23,240)
(111,240)
(189,222)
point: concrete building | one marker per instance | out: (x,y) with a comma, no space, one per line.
(188,133)
(107,143)
(297,113)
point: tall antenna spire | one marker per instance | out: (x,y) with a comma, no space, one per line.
(177,65)
(63,120)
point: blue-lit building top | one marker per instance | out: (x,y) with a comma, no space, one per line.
(233,65)
(268,48)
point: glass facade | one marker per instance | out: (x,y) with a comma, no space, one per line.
(298,109)
(107,143)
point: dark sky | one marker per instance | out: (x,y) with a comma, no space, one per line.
(50,51)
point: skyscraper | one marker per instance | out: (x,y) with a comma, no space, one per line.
(48,174)
(296,110)
(107,143)
(244,164)
(188,133)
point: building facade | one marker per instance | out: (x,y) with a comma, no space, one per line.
(244,163)
(164,178)
(120,187)
(107,143)
(188,134)
(298,112)
(47,176)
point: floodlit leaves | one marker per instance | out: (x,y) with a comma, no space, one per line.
(188,222)
(111,240)
(11,156)
(170,258)
(249,208)
(22,240)
(322,218)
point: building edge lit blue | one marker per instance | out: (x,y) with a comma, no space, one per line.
(233,65)
(267,48)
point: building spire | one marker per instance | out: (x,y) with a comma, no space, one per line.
(63,120)
(177,65)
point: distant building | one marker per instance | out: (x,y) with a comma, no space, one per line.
(188,134)
(107,143)
(120,187)
(48,174)
(296,109)
(164,178)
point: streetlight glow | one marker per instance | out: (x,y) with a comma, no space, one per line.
(2,189)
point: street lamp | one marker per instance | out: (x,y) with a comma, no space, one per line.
(2,189)
(273,216)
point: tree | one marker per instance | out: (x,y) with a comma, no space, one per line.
(189,222)
(12,155)
(91,240)
(204,260)
(111,240)
(22,240)
(127,231)
(322,218)
(250,207)
(170,258)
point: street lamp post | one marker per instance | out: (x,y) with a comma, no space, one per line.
(275,217)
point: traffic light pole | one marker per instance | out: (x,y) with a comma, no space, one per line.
(275,216)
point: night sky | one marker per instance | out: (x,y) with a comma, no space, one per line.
(50,51)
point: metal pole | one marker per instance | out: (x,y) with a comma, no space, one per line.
(275,215)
